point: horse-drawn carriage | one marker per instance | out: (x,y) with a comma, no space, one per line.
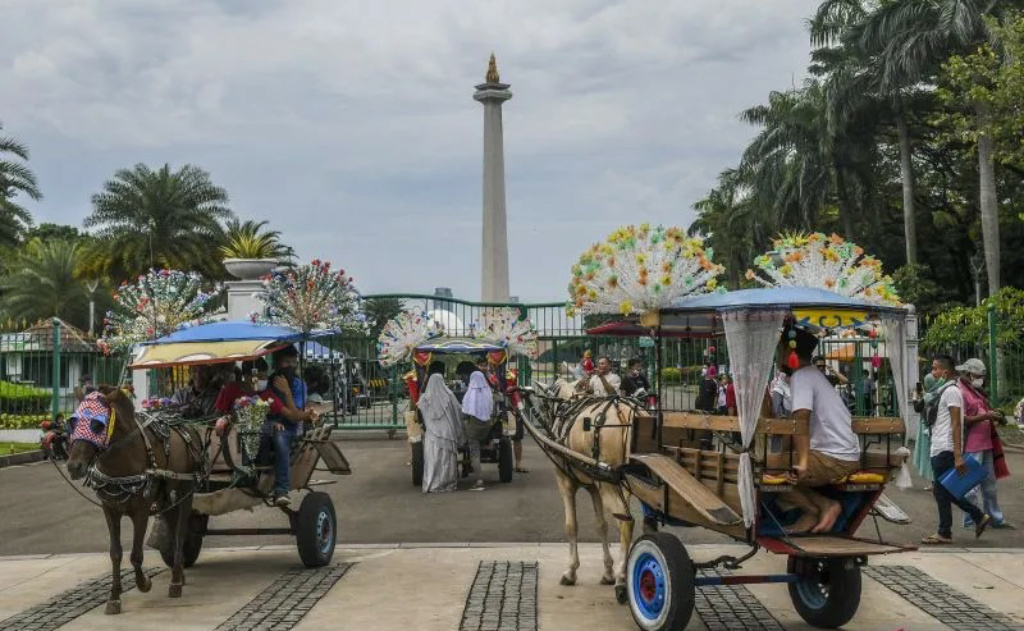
(735,487)
(156,462)
(496,448)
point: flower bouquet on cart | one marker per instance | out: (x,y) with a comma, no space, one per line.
(250,413)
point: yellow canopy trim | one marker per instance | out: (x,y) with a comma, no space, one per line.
(189,353)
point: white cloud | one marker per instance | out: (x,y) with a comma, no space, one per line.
(351,124)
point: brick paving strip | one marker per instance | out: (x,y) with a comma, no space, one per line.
(945,604)
(282,605)
(67,606)
(728,607)
(503,597)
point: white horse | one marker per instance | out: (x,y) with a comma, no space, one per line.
(615,419)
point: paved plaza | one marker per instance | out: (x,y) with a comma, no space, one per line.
(473,561)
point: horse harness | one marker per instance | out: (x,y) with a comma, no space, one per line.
(120,489)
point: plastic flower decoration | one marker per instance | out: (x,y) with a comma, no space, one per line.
(825,262)
(638,269)
(503,325)
(402,335)
(311,298)
(155,403)
(157,304)
(250,412)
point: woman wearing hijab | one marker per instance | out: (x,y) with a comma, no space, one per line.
(477,408)
(923,444)
(443,433)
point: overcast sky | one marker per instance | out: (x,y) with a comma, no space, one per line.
(350,124)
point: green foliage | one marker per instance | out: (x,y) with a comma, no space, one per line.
(23,399)
(249,240)
(380,311)
(43,282)
(22,421)
(915,286)
(16,180)
(983,92)
(969,325)
(148,219)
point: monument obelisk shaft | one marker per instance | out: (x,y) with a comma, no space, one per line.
(493,93)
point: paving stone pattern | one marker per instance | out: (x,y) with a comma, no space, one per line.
(955,609)
(503,597)
(67,606)
(729,607)
(283,604)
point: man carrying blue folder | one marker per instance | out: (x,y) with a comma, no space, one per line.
(948,453)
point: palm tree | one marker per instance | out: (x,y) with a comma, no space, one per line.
(911,39)
(854,85)
(729,219)
(148,219)
(379,311)
(43,282)
(249,240)
(15,179)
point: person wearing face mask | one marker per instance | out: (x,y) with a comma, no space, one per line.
(286,393)
(922,458)
(635,379)
(982,442)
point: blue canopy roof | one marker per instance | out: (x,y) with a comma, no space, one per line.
(792,297)
(453,346)
(229,331)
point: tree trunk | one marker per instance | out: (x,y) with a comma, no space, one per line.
(989,204)
(907,178)
(845,214)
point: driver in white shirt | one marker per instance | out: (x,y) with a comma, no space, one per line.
(604,383)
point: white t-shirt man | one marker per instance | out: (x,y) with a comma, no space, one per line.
(942,430)
(831,426)
(598,388)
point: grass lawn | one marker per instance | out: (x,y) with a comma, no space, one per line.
(8,448)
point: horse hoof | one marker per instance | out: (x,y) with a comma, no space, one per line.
(607,580)
(113,607)
(621,596)
(143,584)
(568,581)
(174,591)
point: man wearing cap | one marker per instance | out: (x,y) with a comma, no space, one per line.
(982,442)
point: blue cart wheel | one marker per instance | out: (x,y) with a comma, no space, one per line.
(660,583)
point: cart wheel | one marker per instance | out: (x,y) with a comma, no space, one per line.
(660,583)
(417,464)
(506,463)
(316,530)
(828,592)
(193,542)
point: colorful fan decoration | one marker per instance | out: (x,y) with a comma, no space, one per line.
(822,262)
(157,304)
(403,334)
(639,269)
(505,326)
(311,298)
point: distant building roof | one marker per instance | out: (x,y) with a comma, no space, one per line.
(39,336)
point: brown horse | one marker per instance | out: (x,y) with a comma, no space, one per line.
(610,445)
(136,470)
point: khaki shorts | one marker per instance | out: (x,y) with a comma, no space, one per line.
(823,469)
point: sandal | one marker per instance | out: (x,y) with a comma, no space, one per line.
(935,540)
(522,470)
(982,525)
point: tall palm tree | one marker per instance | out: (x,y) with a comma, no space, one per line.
(249,240)
(854,84)
(731,222)
(15,179)
(912,38)
(43,282)
(161,218)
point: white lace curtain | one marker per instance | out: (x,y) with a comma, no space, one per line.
(895,350)
(752,336)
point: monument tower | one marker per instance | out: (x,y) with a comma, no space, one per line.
(492,93)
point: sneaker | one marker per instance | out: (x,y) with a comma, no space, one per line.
(479,486)
(982,525)
(282,500)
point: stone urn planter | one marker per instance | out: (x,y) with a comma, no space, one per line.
(250,269)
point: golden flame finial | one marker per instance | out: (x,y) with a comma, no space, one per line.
(492,71)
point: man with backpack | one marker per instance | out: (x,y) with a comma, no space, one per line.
(947,453)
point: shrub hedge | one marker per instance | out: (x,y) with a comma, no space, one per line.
(23,399)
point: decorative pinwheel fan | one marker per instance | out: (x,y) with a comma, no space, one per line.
(311,298)
(157,304)
(403,334)
(504,326)
(822,262)
(639,269)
